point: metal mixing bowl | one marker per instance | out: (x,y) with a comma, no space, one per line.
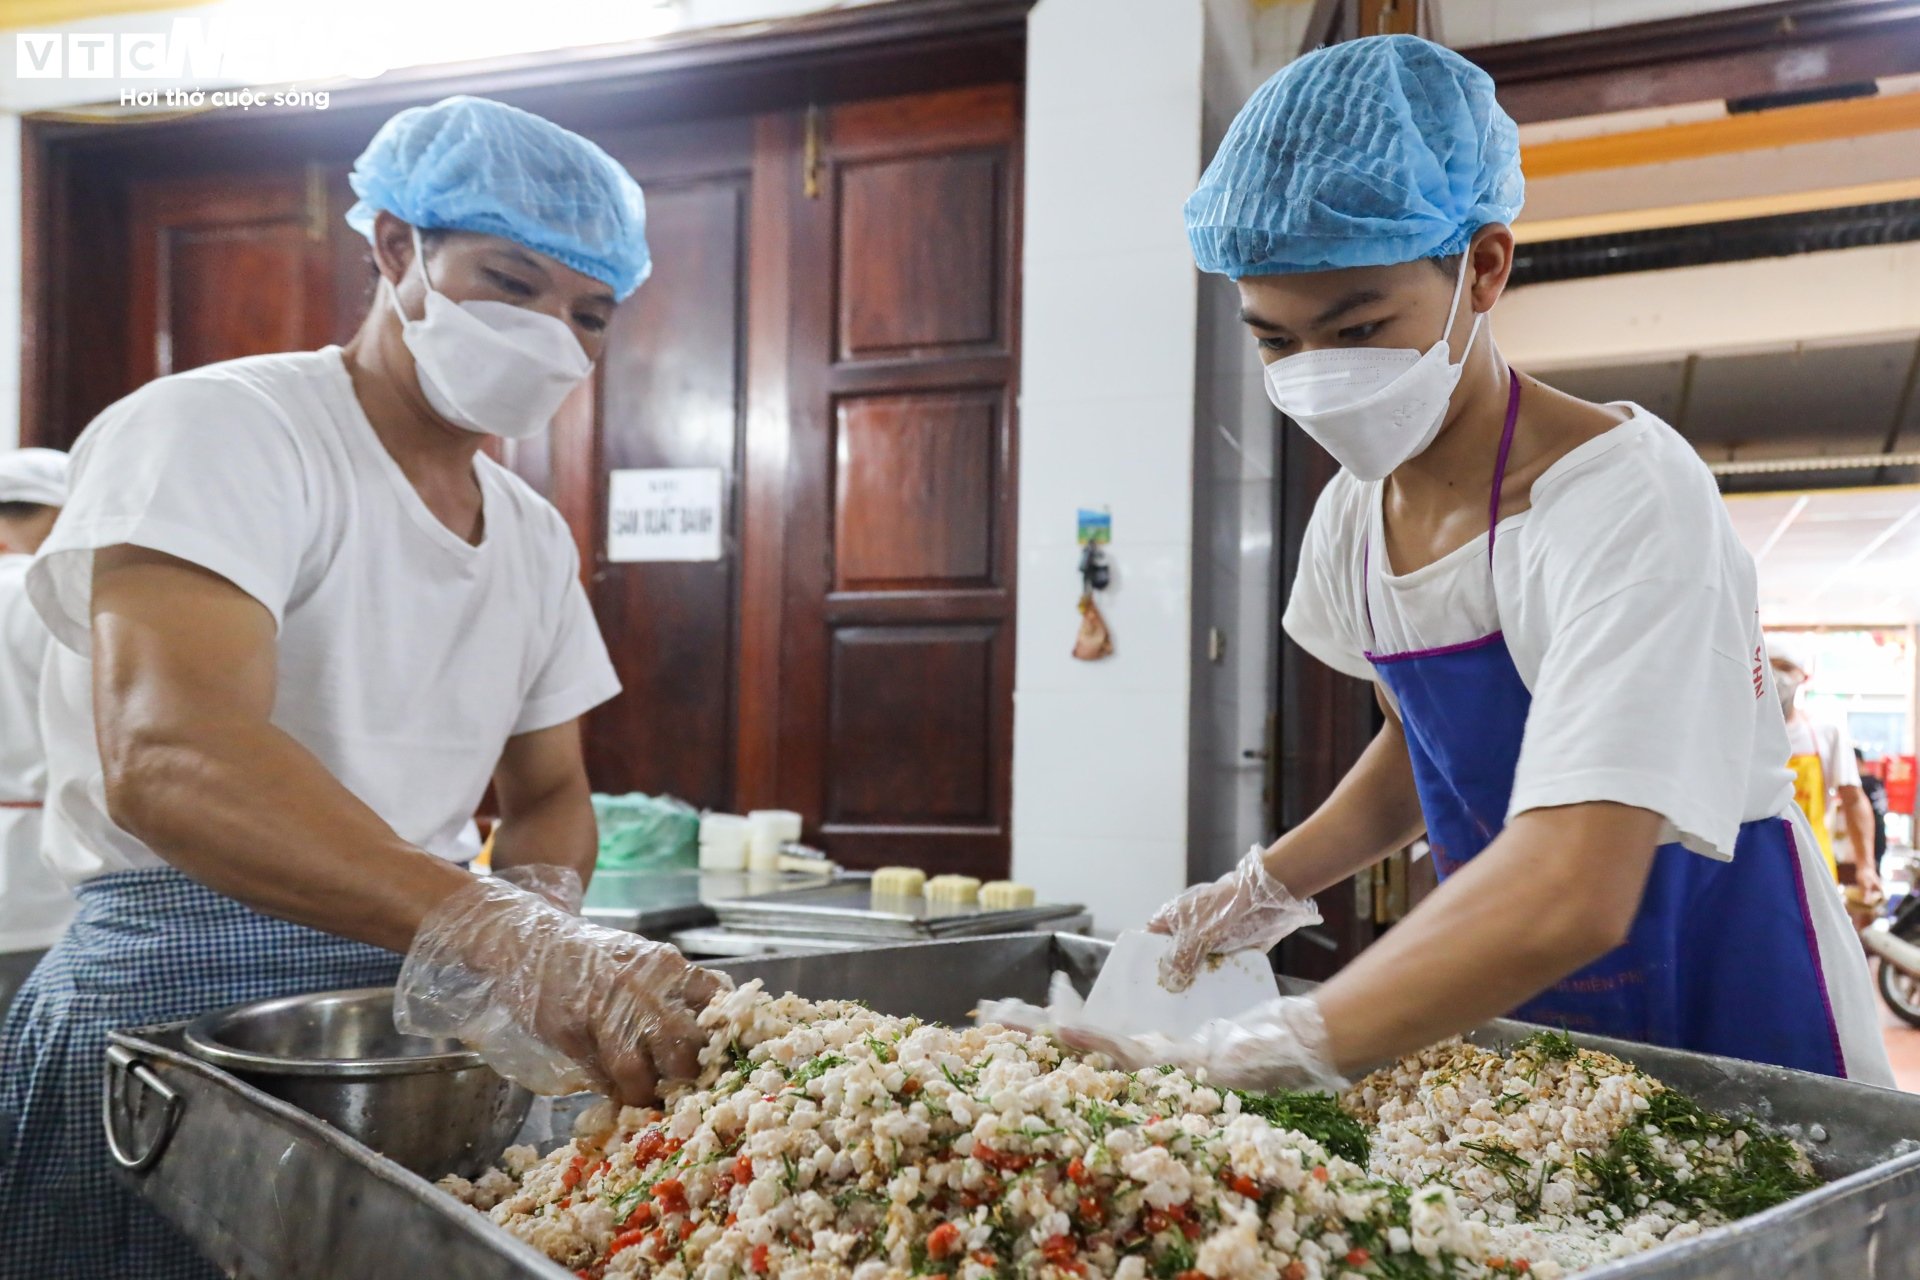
(430,1105)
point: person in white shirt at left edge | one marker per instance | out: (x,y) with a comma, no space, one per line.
(301,621)
(34,903)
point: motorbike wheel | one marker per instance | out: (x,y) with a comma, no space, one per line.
(1901,992)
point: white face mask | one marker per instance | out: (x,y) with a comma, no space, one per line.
(490,367)
(1372,408)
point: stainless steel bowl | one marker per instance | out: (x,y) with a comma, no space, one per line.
(430,1105)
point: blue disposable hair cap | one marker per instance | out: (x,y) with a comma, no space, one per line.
(1363,154)
(471,164)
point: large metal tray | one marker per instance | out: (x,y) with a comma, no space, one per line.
(849,909)
(270,1193)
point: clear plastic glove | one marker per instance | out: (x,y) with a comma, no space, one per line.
(559,885)
(551,1001)
(1245,908)
(1281,1044)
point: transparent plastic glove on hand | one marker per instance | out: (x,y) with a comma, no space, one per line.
(559,885)
(1062,1009)
(1278,1045)
(1246,908)
(550,1001)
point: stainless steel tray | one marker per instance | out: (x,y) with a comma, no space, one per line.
(849,909)
(269,1193)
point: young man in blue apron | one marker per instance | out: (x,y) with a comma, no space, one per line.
(1560,622)
(301,622)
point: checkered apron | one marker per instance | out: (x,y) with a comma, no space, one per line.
(145,947)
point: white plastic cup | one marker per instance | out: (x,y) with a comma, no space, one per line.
(723,842)
(767,831)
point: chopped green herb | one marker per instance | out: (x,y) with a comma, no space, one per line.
(1318,1115)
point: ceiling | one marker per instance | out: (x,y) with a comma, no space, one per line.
(1835,556)
(1790,401)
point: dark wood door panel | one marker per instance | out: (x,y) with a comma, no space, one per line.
(922,239)
(898,593)
(915,493)
(669,395)
(898,756)
(223,268)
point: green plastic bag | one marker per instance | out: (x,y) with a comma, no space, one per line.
(647,833)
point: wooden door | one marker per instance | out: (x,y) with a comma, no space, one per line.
(893,730)
(671,394)
(227,267)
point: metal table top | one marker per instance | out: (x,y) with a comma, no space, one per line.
(655,903)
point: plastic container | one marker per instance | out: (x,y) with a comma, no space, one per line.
(723,842)
(768,830)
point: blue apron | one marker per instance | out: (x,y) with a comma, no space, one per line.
(1721,957)
(145,947)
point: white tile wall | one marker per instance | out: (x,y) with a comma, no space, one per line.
(1147,609)
(1121,878)
(1108,375)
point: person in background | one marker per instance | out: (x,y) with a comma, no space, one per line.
(301,621)
(1559,620)
(1875,789)
(1826,773)
(34,903)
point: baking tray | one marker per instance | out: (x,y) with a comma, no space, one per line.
(849,909)
(269,1193)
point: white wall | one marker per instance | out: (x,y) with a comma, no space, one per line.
(1100,749)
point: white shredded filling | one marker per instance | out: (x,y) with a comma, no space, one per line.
(824,1141)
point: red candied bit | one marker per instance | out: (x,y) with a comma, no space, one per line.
(1295,1270)
(1358,1257)
(743,1169)
(1077,1170)
(1243,1185)
(758,1262)
(1059,1250)
(943,1240)
(1320,1173)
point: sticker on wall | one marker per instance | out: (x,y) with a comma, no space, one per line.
(664,515)
(1096,528)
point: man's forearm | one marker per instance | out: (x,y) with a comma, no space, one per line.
(557,829)
(1548,896)
(247,811)
(1372,812)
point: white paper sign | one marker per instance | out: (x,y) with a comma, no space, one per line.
(664,515)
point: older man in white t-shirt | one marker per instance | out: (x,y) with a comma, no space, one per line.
(302,621)
(34,904)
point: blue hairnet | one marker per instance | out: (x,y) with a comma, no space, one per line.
(1363,154)
(469,164)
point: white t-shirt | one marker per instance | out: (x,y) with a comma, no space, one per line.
(34,905)
(406,656)
(1631,611)
(1830,741)
(1630,608)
